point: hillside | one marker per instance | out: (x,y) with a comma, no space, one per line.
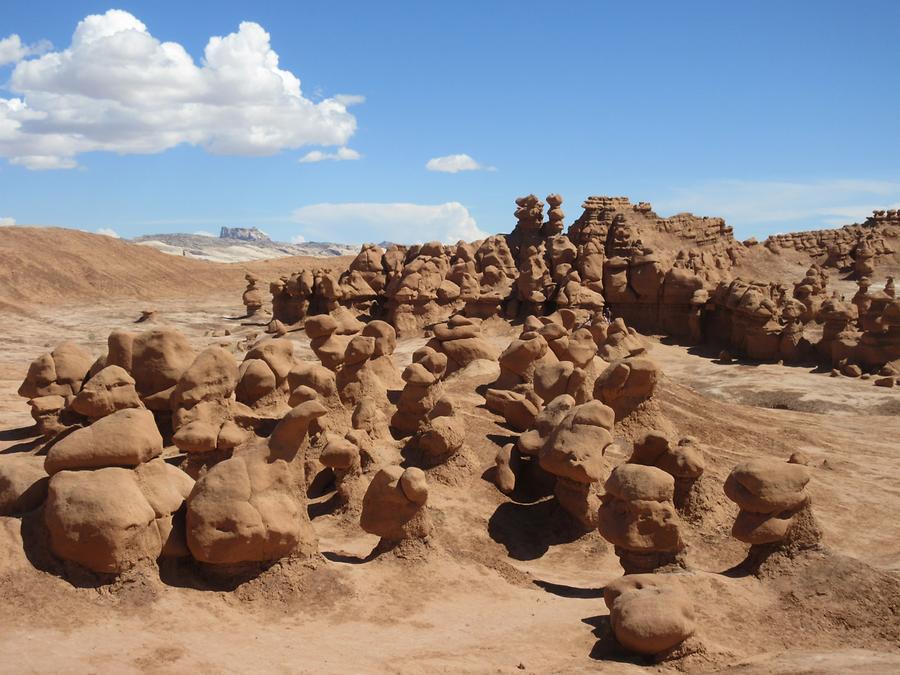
(47,266)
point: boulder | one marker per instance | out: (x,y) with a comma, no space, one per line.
(125,438)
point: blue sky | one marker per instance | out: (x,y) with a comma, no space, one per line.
(774,115)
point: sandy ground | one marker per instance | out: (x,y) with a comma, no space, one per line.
(503,587)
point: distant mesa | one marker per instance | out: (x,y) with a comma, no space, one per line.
(243,234)
(239,244)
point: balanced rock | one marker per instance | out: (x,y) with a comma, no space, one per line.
(772,498)
(125,438)
(638,517)
(109,390)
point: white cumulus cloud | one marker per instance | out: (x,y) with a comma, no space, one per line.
(342,154)
(13,50)
(455,164)
(399,222)
(117,88)
(7,221)
(298,239)
(108,232)
(762,207)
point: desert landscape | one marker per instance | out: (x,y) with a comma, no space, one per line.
(621,444)
(463,337)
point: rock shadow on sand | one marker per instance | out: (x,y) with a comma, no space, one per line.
(529,530)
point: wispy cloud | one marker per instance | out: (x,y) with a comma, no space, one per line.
(341,155)
(108,232)
(768,205)
(13,50)
(204,233)
(6,221)
(455,164)
(399,222)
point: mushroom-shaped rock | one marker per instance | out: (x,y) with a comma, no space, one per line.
(554,378)
(109,390)
(460,338)
(440,438)
(109,519)
(48,413)
(519,409)
(394,505)
(324,340)
(519,360)
(573,452)
(684,461)
(342,456)
(385,342)
(422,391)
(289,436)
(125,438)
(773,500)
(204,411)
(263,376)
(650,614)
(276,327)
(638,517)
(252,297)
(318,378)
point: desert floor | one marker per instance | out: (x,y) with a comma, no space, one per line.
(503,587)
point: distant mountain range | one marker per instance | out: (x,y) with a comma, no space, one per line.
(239,245)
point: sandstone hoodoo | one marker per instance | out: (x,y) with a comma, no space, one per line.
(638,517)
(253,295)
(251,508)
(394,506)
(775,511)
(677,276)
(683,460)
